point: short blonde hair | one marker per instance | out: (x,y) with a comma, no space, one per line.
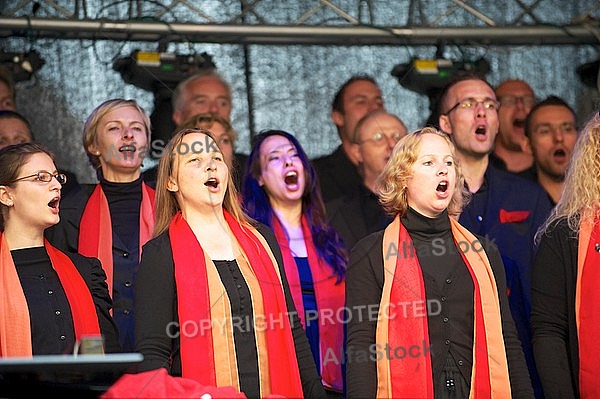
(205,121)
(90,127)
(392,183)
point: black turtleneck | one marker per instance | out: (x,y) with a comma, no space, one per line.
(124,201)
(449,287)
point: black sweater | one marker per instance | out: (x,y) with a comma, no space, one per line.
(52,330)
(156,307)
(124,205)
(447,282)
(553,322)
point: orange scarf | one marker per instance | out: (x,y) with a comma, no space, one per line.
(329,295)
(15,327)
(587,301)
(207,346)
(95,228)
(412,377)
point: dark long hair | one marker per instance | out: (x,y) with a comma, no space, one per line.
(326,240)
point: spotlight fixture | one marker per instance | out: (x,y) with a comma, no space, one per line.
(21,66)
(423,76)
(429,76)
(589,73)
(154,70)
(160,72)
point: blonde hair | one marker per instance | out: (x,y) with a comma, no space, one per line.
(392,183)
(166,201)
(205,121)
(581,191)
(90,127)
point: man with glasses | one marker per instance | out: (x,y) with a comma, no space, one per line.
(505,208)
(356,215)
(516,98)
(551,131)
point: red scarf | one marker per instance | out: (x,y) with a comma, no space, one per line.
(587,302)
(329,295)
(412,376)
(208,352)
(95,228)
(15,327)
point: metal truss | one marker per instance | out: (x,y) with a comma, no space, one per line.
(305,22)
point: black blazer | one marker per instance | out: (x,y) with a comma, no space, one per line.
(337,175)
(348,215)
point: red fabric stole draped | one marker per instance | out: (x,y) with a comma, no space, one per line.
(330,299)
(587,302)
(15,327)
(195,307)
(411,376)
(95,228)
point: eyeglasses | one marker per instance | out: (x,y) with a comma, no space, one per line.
(44,177)
(472,103)
(547,128)
(380,138)
(510,101)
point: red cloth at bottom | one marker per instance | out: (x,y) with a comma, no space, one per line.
(159,384)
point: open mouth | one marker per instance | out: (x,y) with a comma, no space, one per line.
(442,187)
(212,182)
(481,130)
(291,178)
(54,203)
(560,154)
(520,123)
(127,148)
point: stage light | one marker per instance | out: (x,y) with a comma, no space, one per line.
(21,66)
(589,74)
(160,72)
(423,76)
(154,70)
(429,76)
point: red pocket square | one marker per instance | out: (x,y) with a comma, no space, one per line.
(513,216)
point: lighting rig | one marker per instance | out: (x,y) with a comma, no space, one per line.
(160,72)
(21,66)
(429,76)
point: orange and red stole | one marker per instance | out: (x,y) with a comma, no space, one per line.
(15,327)
(411,377)
(95,228)
(587,301)
(207,341)
(330,299)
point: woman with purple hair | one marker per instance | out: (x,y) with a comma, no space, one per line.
(281,190)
